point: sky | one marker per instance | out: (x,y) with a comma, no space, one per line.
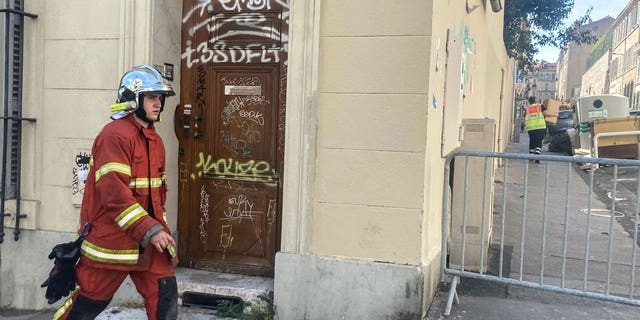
(601,9)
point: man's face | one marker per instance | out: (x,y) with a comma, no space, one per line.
(152,102)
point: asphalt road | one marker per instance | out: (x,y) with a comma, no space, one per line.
(625,187)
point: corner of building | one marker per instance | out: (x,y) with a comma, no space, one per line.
(317,287)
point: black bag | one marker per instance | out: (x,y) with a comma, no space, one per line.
(62,278)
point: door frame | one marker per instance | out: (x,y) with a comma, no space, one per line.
(300,118)
(300,138)
(301,135)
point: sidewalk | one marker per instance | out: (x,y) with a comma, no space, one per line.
(489,300)
(111,313)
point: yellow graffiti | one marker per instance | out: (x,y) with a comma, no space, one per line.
(226,239)
(251,170)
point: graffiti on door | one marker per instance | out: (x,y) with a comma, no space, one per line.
(232,132)
(250,170)
(226,44)
(204,214)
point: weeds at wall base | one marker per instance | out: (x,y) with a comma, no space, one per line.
(260,310)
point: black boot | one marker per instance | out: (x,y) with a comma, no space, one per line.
(167,299)
(86,309)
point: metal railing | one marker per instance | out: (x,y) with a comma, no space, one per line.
(597,137)
(541,225)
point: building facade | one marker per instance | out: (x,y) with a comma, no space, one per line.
(273,166)
(595,80)
(572,61)
(597,77)
(540,82)
(623,68)
(546,84)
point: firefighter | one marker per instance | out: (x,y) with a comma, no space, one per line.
(536,126)
(124,200)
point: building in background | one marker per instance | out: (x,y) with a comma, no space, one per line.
(596,79)
(623,68)
(545,73)
(530,85)
(572,61)
(540,82)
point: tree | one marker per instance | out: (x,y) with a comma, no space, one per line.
(529,24)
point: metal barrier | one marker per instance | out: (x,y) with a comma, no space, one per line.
(611,134)
(539,225)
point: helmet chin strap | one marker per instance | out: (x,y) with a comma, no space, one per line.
(142,115)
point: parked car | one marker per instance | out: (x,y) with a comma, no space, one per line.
(634,112)
(565,122)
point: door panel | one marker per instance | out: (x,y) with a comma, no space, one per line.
(239,228)
(238,182)
(230,127)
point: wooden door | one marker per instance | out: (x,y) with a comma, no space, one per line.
(230,126)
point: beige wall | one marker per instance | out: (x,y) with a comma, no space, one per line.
(561,85)
(378,73)
(74,55)
(373,185)
(371,129)
(379,195)
(80,50)
(165,48)
(572,65)
(377,168)
(595,80)
(69,100)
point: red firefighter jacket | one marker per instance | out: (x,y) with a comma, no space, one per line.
(124,195)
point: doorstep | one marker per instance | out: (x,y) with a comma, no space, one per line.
(247,288)
(128,304)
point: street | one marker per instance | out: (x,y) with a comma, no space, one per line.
(626,192)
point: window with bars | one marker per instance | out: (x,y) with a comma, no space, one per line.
(11,94)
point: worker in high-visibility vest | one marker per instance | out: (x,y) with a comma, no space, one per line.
(535,124)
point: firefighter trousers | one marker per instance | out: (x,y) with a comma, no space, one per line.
(96,288)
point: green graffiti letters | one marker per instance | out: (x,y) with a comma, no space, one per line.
(251,170)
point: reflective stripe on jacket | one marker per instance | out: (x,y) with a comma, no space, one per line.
(533,117)
(124,195)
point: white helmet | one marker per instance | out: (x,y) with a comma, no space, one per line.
(136,82)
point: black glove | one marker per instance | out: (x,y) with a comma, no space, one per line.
(62,278)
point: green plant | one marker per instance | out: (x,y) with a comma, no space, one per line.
(259,310)
(230,309)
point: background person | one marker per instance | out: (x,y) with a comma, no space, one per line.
(535,124)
